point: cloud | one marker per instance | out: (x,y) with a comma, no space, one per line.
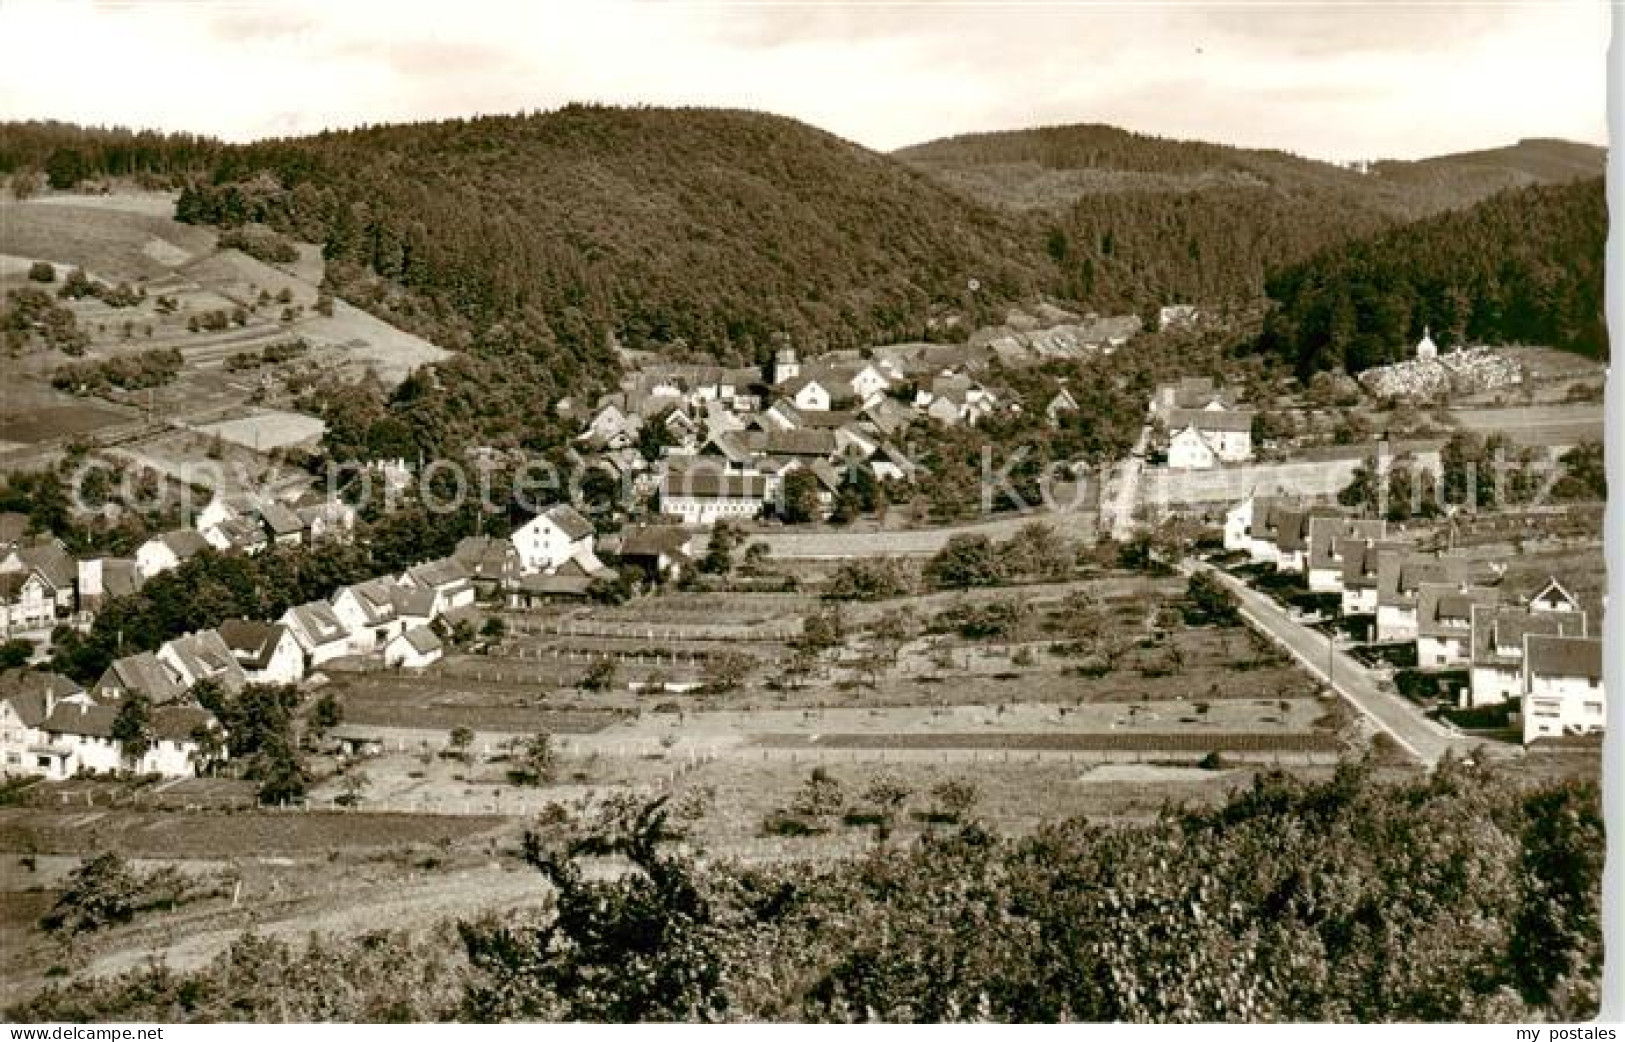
(1339,80)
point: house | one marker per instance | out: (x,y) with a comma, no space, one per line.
(889,463)
(886,416)
(493,565)
(1563,686)
(447,578)
(810,393)
(330,519)
(237,535)
(1496,662)
(202,656)
(267,652)
(662,552)
(27,602)
(1238,524)
(1361,567)
(1204,438)
(955,398)
(868,382)
(1330,538)
(1399,580)
(551,538)
(141,672)
(78,736)
(369,614)
(282,524)
(1554,598)
(318,631)
(100,578)
(168,550)
(1191,392)
(547,589)
(27,697)
(1444,623)
(705,495)
(415,648)
(612,427)
(1290,533)
(46,558)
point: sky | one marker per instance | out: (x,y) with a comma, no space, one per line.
(1332,79)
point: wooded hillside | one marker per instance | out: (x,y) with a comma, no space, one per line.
(1525,266)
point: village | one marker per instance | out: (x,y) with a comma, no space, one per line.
(732,447)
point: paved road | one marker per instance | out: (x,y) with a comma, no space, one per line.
(1423,738)
(1117,511)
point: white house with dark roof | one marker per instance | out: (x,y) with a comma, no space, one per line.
(318,631)
(1444,623)
(266,651)
(1200,439)
(1554,598)
(551,538)
(202,656)
(141,672)
(1330,540)
(1496,666)
(27,602)
(447,578)
(414,649)
(370,612)
(168,550)
(1563,686)
(705,495)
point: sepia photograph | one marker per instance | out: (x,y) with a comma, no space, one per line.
(806,512)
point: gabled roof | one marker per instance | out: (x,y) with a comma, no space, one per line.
(653,541)
(1548,656)
(709,484)
(1210,419)
(12,583)
(279,519)
(319,622)
(376,598)
(254,643)
(1552,594)
(1445,610)
(1329,536)
(1362,562)
(488,558)
(1292,526)
(142,672)
(183,542)
(53,563)
(439,574)
(422,639)
(204,655)
(569,521)
(411,602)
(119,577)
(1499,629)
(26,690)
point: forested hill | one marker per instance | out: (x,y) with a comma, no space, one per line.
(662,226)
(1131,219)
(1524,266)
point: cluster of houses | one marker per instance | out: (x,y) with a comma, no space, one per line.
(1200,426)
(729,438)
(51,727)
(1541,654)
(41,584)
